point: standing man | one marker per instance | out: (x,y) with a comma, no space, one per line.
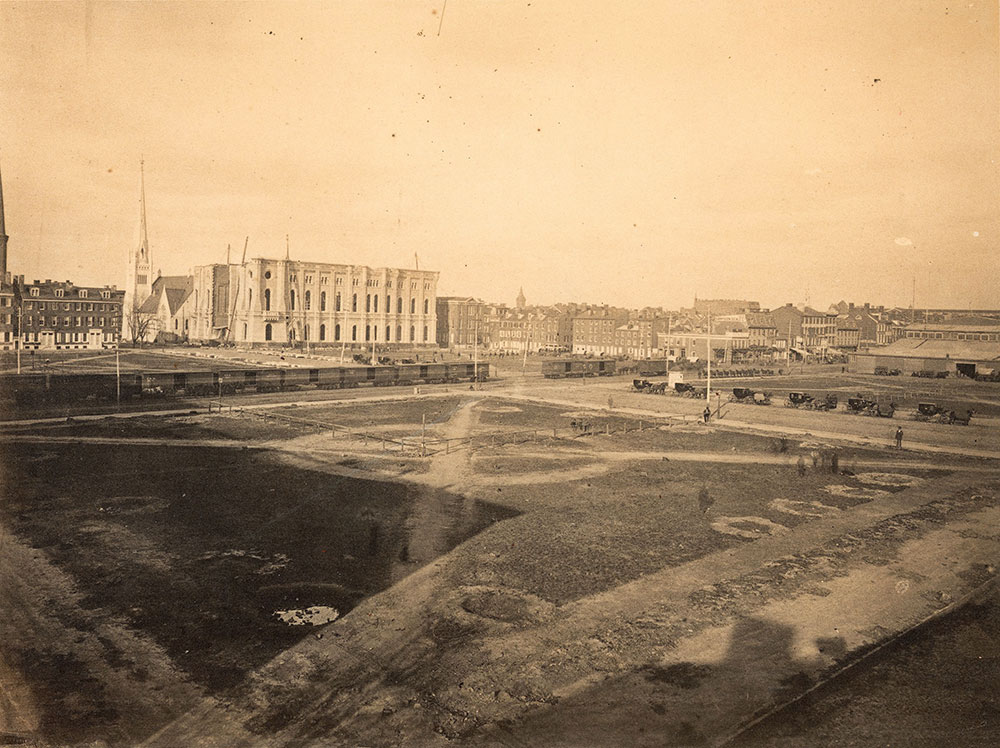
(707,414)
(899,437)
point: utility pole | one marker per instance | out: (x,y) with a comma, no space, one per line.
(20,333)
(118,378)
(475,355)
(708,340)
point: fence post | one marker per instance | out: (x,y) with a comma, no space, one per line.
(640,424)
(607,428)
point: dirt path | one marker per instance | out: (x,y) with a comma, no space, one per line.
(63,665)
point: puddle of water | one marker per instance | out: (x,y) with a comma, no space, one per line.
(316,615)
(804,508)
(889,479)
(748,527)
(855,492)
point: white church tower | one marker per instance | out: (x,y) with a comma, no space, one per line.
(139,284)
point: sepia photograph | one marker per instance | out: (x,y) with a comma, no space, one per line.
(499,374)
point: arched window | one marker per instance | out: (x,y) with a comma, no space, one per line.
(425,333)
(413,333)
(388,304)
(387,331)
(399,333)
(291,299)
(354,303)
(368,332)
(291,334)
(426,307)
(308,300)
(399,305)
(322,332)
(250,298)
(376,303)
(267,301)
(244,329)
(322,301)
(336,332)
(354,332)
(267,327)
(375,331)
(368,302)
(336,302)
(413,306)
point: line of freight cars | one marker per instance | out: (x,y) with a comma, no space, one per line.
(29,389)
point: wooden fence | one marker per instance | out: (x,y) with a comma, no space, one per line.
(427,446)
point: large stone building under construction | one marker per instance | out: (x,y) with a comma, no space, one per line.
(279,302)
(291,301)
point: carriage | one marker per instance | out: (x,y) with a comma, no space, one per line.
(800,400)
(828,403)
(741,394)
(860,404)
(927,411)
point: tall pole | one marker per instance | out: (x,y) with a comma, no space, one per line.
(20,333)
(118,377)
(708,340)
(475,354)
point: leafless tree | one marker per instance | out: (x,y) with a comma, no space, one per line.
(137,324)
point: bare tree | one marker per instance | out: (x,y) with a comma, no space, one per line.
(137,325)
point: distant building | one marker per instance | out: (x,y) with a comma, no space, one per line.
(533,329)
(63,316)
(521,302)
(805,329)
(594,331)
(461,322)
(291,301)
(167,309)
(637,338)
(724,306)
(848,333)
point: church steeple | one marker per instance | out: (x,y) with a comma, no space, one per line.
(139,283)
(521,301)
(3,237)
(143,239)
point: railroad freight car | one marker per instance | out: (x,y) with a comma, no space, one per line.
(653,368)
(582,367)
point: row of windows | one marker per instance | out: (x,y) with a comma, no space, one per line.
(371,302)
(952,335)
(69,321)
(369,331)
(324,280)
(67,306)
(61,292)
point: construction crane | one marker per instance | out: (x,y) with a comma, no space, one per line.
(236,296)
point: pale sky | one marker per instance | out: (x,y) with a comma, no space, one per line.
(633,152)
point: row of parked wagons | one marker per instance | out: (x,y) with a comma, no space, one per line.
(28,389)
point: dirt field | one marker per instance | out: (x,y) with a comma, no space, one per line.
(159,571)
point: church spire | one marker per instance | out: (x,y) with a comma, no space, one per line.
(521,301)
(3,237)
(143,239)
